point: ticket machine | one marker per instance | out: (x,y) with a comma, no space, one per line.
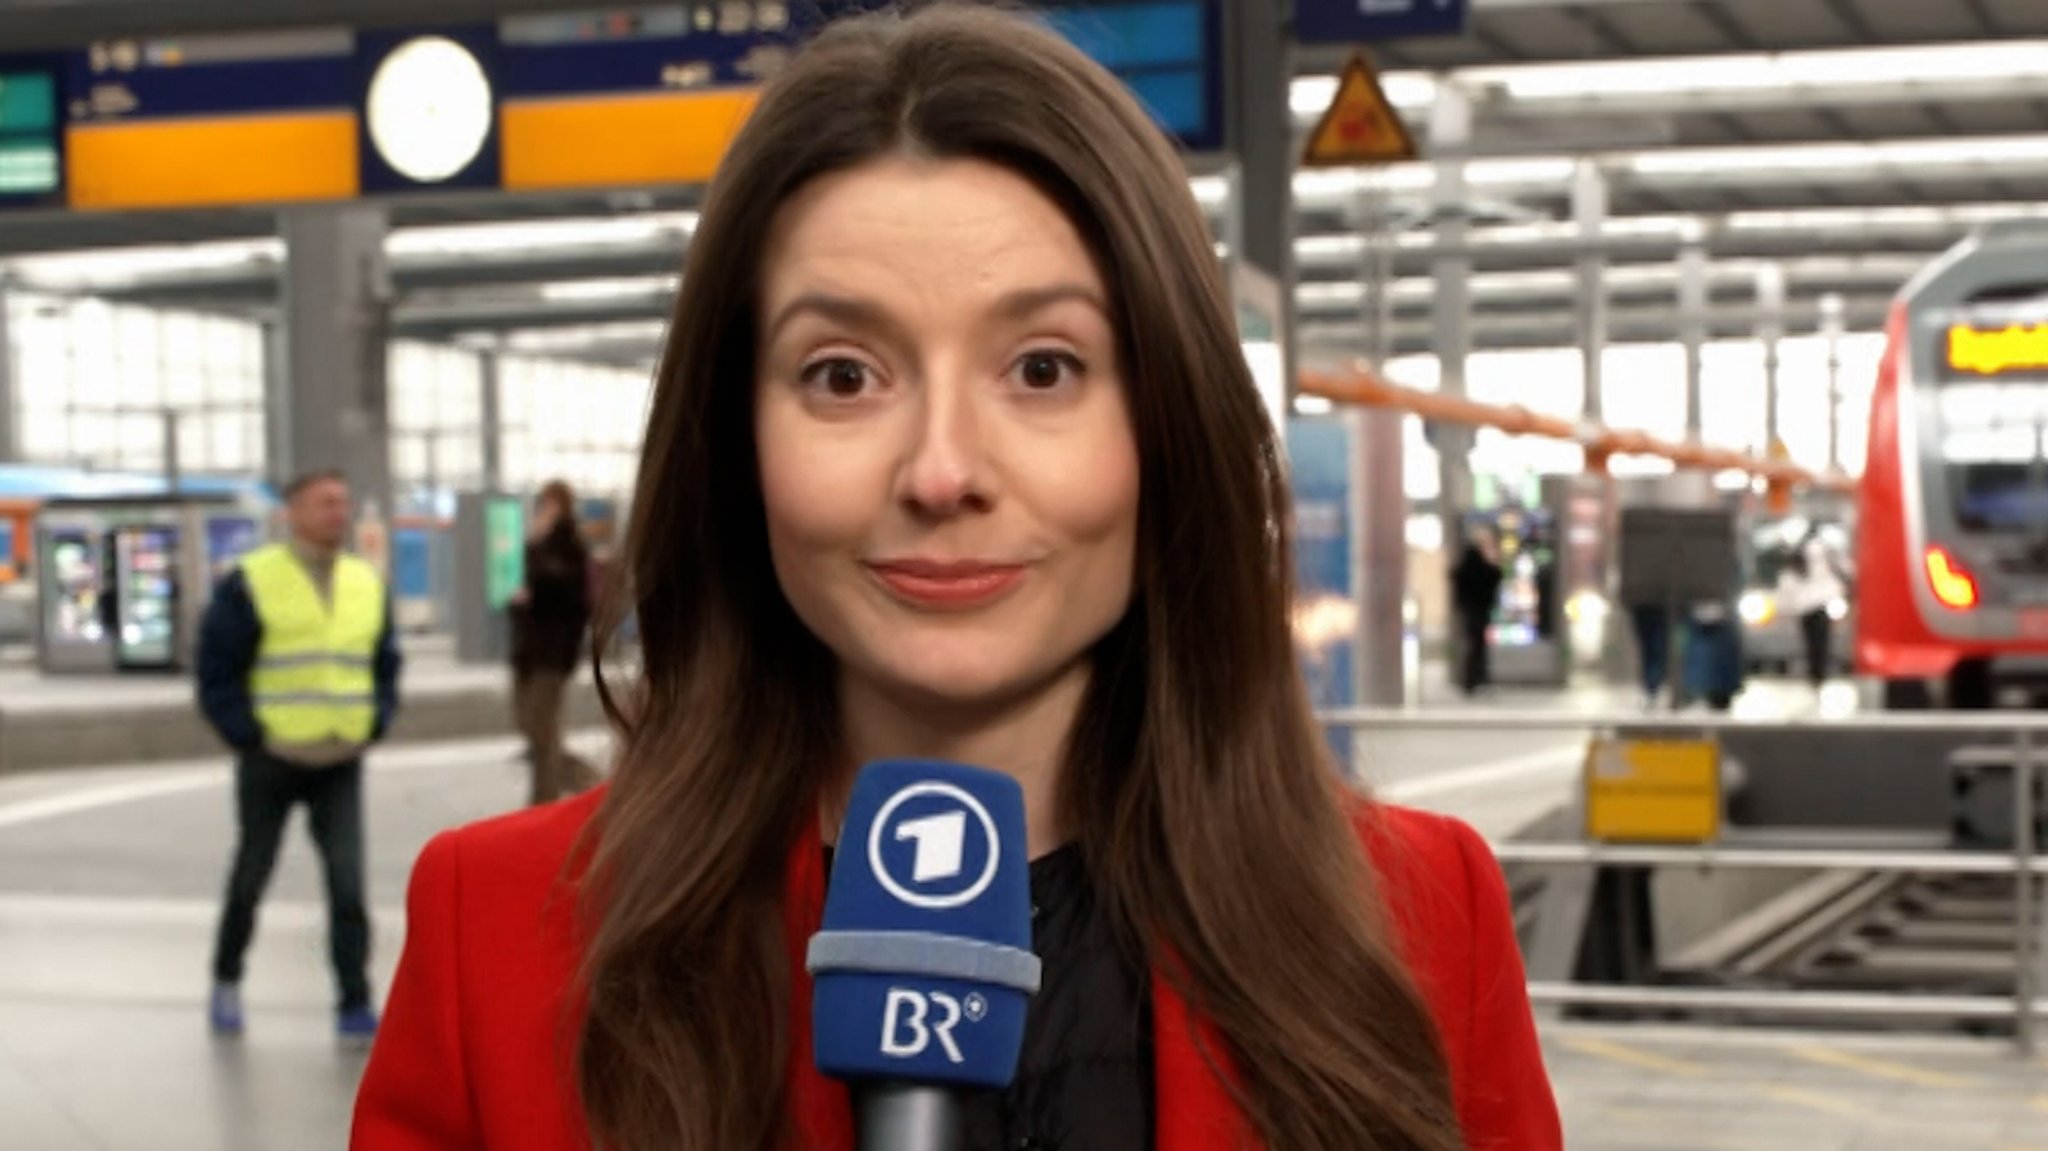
(122,583)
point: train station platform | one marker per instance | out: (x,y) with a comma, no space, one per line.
(49,722)
(109,888)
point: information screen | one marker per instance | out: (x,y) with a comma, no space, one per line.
(31,160)
(1166,51)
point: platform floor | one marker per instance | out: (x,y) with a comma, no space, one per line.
(109,881)
(1633,1088)
(430,668)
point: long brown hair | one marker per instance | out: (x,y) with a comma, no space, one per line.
(1206,809)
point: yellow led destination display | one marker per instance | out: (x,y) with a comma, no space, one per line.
(1997,351)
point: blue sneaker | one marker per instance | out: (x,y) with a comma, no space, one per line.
(224,1010)
(356,1025)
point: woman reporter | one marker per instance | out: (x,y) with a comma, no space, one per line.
(954,454)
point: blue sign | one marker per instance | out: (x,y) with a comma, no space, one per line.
(412,564)
(1326,607)
(653,50)
(210,76)
(1352,21)
(228,539)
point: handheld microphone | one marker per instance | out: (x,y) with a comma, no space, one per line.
(923,968)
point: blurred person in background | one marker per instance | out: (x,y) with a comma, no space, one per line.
(1712,669)
(954,454)
(1652,625)
(1475,592)
(1810,586)
(298,668)
(550,618)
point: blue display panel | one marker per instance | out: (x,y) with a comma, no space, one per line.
(1168,51)
(672,49)
(1321,467)
(219,75)
(1353,21)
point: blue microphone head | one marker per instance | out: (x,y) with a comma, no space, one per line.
(924,966)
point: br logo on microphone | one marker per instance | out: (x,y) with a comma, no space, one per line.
(914,1020)
(934,846)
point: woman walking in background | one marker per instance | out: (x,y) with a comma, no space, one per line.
(549,618)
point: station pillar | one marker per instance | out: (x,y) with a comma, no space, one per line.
(1831,326)
(490,415)
(1589,212)
(1692,327)
(1260,225)
(1450,138)
(1770,333)
(330,407)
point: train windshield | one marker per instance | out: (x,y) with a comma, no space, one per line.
(1994,411)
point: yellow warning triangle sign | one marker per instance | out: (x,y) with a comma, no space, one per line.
(1360,127)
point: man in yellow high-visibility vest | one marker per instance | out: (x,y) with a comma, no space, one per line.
(298,672)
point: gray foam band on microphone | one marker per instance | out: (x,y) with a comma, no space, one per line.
(917,953)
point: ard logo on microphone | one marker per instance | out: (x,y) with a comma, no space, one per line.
(934,847)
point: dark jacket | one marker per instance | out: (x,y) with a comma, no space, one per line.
(228,638)
(548,629)
(1475,583)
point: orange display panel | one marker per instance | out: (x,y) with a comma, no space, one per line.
(214,161)
(582,142)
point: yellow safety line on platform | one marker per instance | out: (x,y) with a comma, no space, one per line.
(1882,1068)
(1815,1101)
(1634,1057)
(1694,1140)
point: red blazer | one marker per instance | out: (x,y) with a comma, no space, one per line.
(473,1055)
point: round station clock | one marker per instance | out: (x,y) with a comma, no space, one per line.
(429,109)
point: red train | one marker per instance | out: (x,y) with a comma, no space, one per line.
(1953,531)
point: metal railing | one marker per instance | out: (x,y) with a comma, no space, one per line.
(2022,862)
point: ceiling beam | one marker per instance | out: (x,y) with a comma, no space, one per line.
(1558,329)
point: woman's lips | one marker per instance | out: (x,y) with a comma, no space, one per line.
(947,584)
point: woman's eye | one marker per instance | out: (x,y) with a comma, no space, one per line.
(1044,371)
(841,379)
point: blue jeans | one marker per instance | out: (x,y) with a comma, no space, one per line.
(266,790)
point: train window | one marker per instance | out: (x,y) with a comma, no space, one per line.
(1994,410)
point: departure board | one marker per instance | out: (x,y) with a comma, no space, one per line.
(31,135)
(215,120)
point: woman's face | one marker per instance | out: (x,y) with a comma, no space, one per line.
(946,455)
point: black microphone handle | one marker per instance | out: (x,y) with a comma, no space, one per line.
(909,1117)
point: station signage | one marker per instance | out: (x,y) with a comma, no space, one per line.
(580,101)
(31,131)
(1361,21)
(1360,126)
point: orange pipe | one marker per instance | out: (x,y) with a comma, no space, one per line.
(1367,390)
